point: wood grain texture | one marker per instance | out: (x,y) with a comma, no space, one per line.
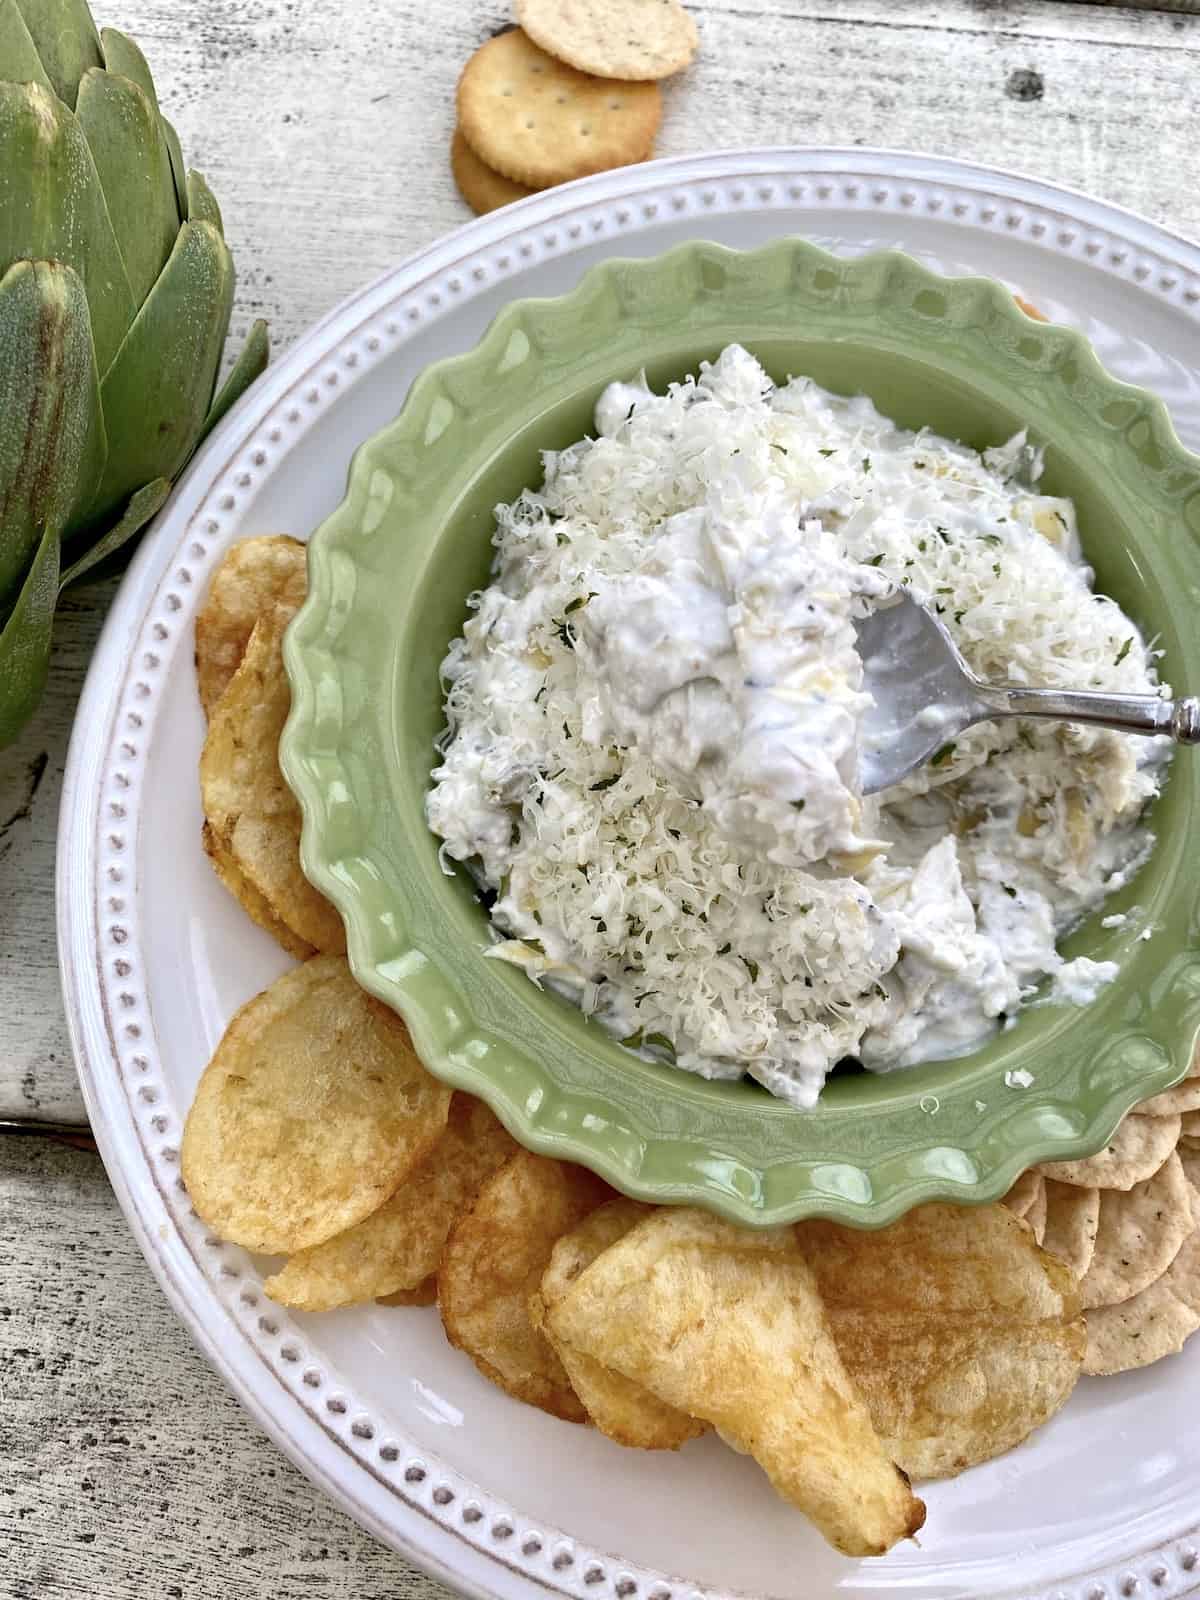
(126,1472)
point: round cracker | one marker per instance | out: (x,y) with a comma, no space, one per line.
(1155,1323)
(630,39)
(1189,1125)
(1183,1097)
(539,122)
(254,816)
(254,575)
(1135,1152)
(482,189)
(1139,1235)
(1036,1215)
(1023,1194)
(1072,1218)
(311,1113)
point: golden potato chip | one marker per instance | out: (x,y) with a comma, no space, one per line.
(254,816)
(493,1262)
(961,1334)
(1139,1235)
(1072,1217)
(247,896)
(620,1408)
(1135,1152)
(254,575)
(313,1111)
(1151,1324)
(726,1324)
(1024,1193)
(400,1245)
(425,1294)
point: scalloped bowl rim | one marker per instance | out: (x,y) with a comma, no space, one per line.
(403,989)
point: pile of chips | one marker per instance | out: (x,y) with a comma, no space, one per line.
(845,1362)
(573,90)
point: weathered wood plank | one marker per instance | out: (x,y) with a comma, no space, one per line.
(127,1472)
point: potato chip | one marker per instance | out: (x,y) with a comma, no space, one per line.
(1135,1152)
(254,575)
(726,1324)
(623,1410)
(253,814)
(1152,1324)
(400,1245)
(1024,1193)
(962,1335)
(425,1294)
(1072,1217)
(312,1112)
(1139,1235)
(247,896)
(493,1263)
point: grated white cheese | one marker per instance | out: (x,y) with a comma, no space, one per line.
(652,723)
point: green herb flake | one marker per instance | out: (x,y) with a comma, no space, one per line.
(1123,652)
(940,757)
(799,805)
(751,968)
(605,783)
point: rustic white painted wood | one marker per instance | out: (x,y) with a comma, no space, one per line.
(125,1472)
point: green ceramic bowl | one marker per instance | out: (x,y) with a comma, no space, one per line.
(390,572)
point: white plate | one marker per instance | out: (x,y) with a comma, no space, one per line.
(371,1403)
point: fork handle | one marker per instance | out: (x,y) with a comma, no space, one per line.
(1128,713)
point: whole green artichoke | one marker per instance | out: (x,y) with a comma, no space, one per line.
(116,289)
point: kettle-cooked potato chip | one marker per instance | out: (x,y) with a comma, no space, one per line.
(493,1262)
(400,1245)
(311,1113)
(1139,1235)
(1135,1152)
(254,576)
(1023,1195)
(726,1324)
(962,1335)
(625,1411)
(255,905)
(253,814)
(425,1294)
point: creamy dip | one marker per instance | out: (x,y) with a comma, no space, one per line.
(653,732)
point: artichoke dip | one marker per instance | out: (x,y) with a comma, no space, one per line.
(652,735)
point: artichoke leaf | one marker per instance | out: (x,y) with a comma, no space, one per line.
(66,41)
(52,444)
(146,503)
(250,364)
(124,134)
(25,640)
(53,208)
(202,202)
(178,172)
(18,53)
(157,392)
(121,55)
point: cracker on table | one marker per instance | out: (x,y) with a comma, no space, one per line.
(540,122)
(1155,1323)
(1023,1195)
(1072,1218)
(482,189)
(630,39)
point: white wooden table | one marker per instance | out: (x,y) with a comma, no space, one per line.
(125,1469)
